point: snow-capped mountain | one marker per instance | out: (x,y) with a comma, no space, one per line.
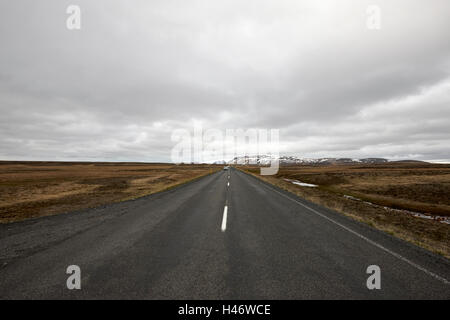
(292,160)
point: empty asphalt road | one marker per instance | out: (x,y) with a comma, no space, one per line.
(225,236)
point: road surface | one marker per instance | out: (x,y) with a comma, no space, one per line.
(225,236)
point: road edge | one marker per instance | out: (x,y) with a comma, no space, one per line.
(442,259)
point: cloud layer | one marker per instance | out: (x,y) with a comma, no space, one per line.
(138,70)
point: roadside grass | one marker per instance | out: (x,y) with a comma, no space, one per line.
(163,187)
(370,182)
(34,189)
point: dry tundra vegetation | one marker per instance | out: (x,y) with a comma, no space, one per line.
(34,189)
(405,186)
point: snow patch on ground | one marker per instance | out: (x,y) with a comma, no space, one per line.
(412,213)
(302,184)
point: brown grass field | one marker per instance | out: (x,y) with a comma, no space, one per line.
(34,189)
(412,186)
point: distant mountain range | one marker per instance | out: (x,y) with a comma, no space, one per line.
(291,160)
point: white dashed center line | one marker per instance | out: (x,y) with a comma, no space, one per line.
(224,219)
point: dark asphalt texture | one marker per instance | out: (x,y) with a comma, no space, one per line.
(170,246)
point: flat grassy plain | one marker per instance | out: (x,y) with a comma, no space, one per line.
(34,189)
(404,186)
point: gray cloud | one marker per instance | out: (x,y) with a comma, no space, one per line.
(137,70)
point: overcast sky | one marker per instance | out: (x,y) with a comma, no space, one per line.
(137,70)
